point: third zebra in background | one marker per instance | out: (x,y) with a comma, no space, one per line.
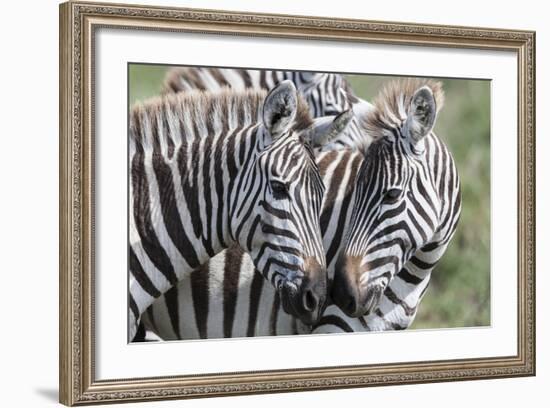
(326,94)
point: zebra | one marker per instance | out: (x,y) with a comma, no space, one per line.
(327,94)
(237,302)
(406,210)
(259,313)
(208,171)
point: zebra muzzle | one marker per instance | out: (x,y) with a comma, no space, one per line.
(346,292)
(305,298)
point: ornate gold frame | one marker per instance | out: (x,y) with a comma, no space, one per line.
(77,24)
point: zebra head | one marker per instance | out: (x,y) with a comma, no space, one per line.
(277,219)
(406,186)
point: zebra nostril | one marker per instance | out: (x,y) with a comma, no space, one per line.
(310,301)
(351,305)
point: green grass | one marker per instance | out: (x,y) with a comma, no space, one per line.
(145,81)
(459,292)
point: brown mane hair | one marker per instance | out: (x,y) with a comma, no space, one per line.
(209,110)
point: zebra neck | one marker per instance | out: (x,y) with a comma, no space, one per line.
(399,304)
(210,185)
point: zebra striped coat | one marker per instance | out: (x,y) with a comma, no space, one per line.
(406,210)
(398,303)
(326,94)
(236,301)
(208,171)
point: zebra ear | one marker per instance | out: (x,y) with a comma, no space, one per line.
(326,128)
(421,114)
(279,108)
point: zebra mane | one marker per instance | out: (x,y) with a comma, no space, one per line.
(202,112)
(391,105)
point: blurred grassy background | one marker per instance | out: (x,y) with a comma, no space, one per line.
(459,293)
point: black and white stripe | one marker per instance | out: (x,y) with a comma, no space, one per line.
(399,301)
(209,171)
(326,94)
(236,301)
(406,211)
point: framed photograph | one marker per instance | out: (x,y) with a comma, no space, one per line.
(255,203)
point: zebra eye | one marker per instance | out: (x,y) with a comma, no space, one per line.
(392,195)
(279,189)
